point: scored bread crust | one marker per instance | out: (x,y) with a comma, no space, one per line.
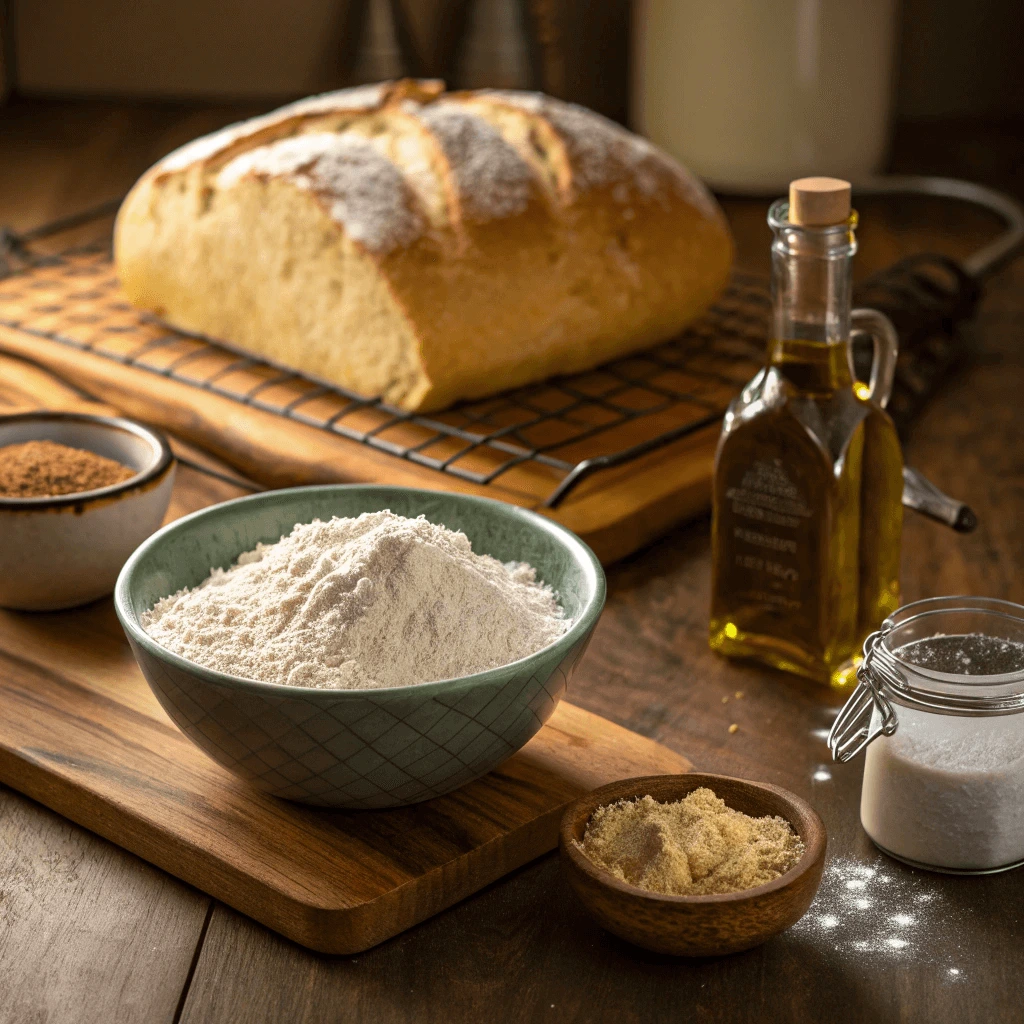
(424,246)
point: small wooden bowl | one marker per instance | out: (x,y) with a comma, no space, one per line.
(696,925)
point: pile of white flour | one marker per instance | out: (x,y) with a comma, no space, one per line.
(360,603)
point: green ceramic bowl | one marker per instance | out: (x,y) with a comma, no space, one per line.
(359,748)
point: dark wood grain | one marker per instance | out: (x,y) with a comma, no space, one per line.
(60,158)
(695,925)
(524,949)
(89,934)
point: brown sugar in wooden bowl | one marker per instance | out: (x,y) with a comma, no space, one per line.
(696,925)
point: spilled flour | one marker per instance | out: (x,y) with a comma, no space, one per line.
(880,909)
(371,602)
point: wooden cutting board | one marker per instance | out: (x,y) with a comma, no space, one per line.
(81,732)
(70,315)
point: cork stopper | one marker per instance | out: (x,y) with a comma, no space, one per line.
(819,202)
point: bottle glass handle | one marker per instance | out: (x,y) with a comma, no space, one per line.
(886,342)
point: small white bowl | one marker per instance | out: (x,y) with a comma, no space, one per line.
(63,551)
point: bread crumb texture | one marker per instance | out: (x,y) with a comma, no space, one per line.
(696,846)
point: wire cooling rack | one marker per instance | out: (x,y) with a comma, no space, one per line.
(570,426)
(563,430)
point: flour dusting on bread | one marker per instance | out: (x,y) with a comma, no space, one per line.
(493,180)
(603,153)
(360,98)
(363,190)
(423,246)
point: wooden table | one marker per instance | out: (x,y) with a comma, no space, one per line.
(89,933)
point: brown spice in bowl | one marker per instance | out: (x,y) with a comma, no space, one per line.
(696,846)
(39,469)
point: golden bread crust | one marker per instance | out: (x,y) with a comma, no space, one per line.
(424,246)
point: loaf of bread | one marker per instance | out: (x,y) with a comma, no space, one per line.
(424,246)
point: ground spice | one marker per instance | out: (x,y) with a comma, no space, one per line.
(39,469)
(696,846)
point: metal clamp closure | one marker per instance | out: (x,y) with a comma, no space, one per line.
(852,730)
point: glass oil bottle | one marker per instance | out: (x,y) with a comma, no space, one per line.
(808,474)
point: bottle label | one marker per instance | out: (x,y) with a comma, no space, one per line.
(768,495)
(764,501)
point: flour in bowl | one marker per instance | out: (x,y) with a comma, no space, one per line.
(376,601)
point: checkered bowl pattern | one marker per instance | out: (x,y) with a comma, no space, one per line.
(362,748)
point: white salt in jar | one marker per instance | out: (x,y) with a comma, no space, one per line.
(940,708)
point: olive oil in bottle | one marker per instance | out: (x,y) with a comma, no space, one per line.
(808,474)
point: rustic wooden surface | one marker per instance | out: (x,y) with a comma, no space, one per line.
(81,732)
(524,949)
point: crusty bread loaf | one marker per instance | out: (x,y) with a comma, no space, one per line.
(421,245)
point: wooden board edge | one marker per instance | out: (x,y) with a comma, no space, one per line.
(634,511)
(538,837)
(616,512)
(338,931)
(307,455)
